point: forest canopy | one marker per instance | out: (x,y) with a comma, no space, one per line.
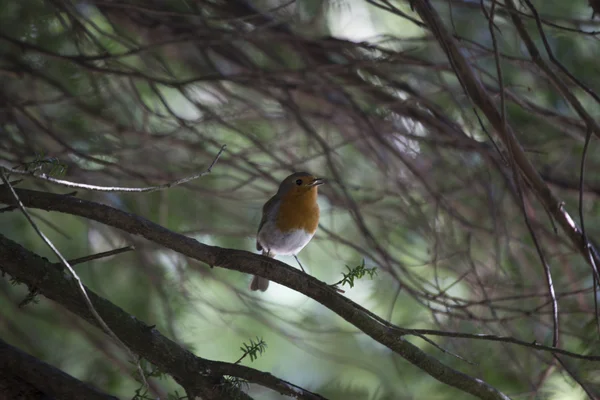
(456,253)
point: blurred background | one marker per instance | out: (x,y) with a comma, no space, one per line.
(139,93)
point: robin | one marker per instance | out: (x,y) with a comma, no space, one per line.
(289,220)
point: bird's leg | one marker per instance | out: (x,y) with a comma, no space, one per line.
(301,267)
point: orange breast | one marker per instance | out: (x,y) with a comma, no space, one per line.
(299,211)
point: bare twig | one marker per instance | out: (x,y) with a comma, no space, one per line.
(114,189)
(80,286)
(92,257)
(172,358)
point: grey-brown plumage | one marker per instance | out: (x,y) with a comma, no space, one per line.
(296,198)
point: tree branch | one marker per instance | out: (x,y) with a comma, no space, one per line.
(25,369)
(206,377)
(246,262)
(480,97)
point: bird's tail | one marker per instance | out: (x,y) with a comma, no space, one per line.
(259,283)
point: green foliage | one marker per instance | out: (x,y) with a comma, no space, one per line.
(30,298)
(357,272)
(98,86)
(233,386)
(141,393)
(150,371)
(50,166)
(253,349)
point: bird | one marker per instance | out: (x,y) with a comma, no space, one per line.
(289,220)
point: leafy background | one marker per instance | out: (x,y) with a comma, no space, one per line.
(134,94)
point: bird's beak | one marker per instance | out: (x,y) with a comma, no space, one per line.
(317,182)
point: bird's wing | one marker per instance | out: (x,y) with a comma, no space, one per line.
(269,209)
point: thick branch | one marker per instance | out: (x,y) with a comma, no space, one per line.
(481,98)
(242,261)
(18,369)
(203,376)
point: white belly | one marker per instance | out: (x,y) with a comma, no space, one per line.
(285,244)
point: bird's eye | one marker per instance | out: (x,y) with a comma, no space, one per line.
(298,182)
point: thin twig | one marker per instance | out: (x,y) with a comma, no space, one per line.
(494,338)
(80,286)
(577,379)
(114,189)
(96,256)
(518,182)
(586,242)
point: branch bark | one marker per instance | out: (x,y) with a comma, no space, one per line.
(150,344)
(197,375)
(25,377)
(482,99)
